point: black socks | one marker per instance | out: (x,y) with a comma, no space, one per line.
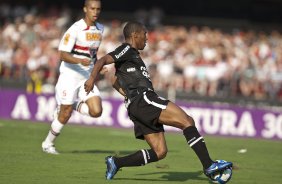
(142,157)
(197,143)
(139,158)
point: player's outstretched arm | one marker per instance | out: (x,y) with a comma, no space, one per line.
(105,60)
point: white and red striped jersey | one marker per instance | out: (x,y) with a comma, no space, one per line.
(81,41)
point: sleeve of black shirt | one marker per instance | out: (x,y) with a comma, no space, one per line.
(121,53)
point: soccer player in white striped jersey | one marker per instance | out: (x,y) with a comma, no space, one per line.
(78,49)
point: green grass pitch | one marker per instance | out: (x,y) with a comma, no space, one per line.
(83,149)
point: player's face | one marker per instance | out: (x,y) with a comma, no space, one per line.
(92,11)
(141,39)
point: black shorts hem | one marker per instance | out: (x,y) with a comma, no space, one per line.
(141,136)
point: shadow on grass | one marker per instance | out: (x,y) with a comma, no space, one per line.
(168,176)
(109,152)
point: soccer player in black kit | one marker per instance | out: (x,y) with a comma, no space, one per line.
(146,109)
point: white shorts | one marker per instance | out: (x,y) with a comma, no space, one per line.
(70,89)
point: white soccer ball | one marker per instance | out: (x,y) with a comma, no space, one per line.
(222,177)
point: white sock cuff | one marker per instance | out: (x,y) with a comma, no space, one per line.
(84,109)
(76,105)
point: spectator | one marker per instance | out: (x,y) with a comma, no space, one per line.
(201,61)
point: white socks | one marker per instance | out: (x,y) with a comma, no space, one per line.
(55,130)
(56,126)
(82,108)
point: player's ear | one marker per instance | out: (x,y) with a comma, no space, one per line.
(84,9)
(134,34)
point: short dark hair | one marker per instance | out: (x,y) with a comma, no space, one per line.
(131,27)
(87,1)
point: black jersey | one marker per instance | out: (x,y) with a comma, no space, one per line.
(131,71)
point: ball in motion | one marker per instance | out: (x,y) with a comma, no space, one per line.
(222,176)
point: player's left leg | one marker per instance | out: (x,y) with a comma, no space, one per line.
(176,117)
(89,104)
(95,106)
(92,107)
(142,157)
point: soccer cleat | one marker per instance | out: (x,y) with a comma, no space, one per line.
(111,167)
(218,165)
(49,148)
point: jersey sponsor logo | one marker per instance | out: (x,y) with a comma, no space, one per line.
(93,36)
(122,52)
(131,69)
(66,39)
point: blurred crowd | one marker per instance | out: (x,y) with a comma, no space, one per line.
(188,59)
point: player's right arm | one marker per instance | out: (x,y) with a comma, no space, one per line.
(66,46)
(120,54)
(117,86)
(105,60)
(67,57)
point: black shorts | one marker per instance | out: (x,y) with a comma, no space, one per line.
(144,111)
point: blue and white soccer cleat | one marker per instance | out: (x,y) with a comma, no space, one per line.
(217,166)
(111,168)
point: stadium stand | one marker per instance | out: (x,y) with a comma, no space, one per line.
(188,61)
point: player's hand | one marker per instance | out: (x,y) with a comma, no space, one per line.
(104,70)
(85,62)
(88,85)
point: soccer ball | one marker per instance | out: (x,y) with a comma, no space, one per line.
(222,177)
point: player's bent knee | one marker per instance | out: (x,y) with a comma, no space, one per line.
(161,154)
(189,121)
(95,114)
(64,116)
